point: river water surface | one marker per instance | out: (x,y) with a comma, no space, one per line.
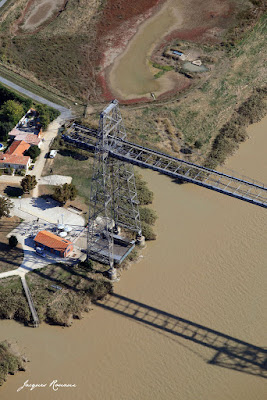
(208,266)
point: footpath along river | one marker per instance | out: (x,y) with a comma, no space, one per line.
(207,266)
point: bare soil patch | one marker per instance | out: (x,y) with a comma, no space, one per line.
(38,12)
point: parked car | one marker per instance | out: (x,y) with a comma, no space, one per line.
(40,251)
(53,153)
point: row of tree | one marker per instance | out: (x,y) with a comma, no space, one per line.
(13,107)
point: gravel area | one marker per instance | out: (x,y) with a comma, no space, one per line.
(55,180)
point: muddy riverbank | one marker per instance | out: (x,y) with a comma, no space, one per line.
(207,266)
(128,73)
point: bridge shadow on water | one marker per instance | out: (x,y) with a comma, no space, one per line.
(229,353)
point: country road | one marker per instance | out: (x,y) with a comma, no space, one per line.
(65,112)
(2,2)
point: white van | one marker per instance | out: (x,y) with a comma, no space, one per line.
(52,153)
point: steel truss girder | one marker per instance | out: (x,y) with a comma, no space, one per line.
(119,148)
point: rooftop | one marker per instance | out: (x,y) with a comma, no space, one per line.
(17,148)
(51,240)
(28,138)
(13,159)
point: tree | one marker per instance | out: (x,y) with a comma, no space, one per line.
(12,241)
(46,114)
(28,183)
(5,127)
(33,152)
(12,111)
(147,215)
(65,192)
(5,206)
(44,117)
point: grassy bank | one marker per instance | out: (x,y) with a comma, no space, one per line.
(10,362)
(34,87)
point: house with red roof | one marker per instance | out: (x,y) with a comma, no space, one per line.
(54,244)
(15,156)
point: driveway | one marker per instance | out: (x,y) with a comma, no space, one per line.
(49,135)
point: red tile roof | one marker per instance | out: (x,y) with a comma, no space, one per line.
(17,148)
(13,159)
(52,241)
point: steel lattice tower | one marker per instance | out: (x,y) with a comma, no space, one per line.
(113,197)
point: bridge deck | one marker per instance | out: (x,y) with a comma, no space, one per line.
(250,191)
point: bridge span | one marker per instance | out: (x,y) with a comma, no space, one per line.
(243,189)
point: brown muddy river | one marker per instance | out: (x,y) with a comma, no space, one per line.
(208,266)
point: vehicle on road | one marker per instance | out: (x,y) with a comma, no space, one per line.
(52,153)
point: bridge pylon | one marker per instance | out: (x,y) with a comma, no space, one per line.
(113,197)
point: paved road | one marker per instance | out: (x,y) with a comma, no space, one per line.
(2,2)
(65,112)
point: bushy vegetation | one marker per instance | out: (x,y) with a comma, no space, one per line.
(5,206)
(10,113)
(33,152)
(148,232)
(9,362)
(147,215)
(145,195)
(13,107)
(65,192)
(28,183)
(12,241)
(46,114)
(234,131)
(7,94)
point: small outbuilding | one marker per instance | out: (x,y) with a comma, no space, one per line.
(49,241)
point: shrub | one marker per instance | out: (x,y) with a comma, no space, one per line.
(12,241)
(145,195)
(5,206)
(198,144)
(99,289)
(33,152)
(28,183)
(233,132)
(148,232)
(12,111)
(147,215)
(46,114)
(87,264)
(65,192)
(5,128)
